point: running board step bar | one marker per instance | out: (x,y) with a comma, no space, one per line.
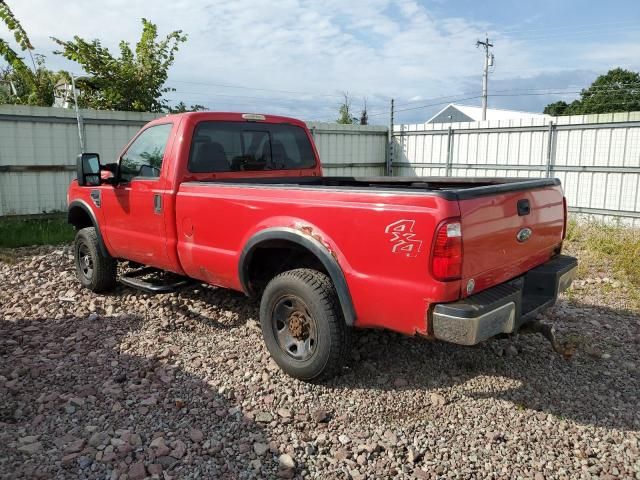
(158,281)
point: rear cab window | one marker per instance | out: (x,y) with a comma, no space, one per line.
(247,146)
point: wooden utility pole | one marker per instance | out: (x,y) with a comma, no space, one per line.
(389,168)
(488,62)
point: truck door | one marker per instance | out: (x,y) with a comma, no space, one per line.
(133,207)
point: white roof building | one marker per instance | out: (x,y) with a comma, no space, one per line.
(455,112)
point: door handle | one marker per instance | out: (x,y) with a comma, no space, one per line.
(157,203)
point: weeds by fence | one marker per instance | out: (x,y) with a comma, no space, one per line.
(615,250)
(23,232)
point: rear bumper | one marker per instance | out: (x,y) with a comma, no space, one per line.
(505,307)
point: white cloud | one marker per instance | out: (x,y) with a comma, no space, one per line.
(624,54)
(376,48)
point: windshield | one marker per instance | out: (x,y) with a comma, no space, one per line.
(242,146)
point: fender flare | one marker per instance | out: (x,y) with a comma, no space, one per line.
(309,243)
(82,205)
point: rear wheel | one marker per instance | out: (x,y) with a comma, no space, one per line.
(302,324)
(94,270)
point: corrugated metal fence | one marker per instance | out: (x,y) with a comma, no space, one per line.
(351,150)
(38,147)
(597,157)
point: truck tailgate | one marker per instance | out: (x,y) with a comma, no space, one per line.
(506,234)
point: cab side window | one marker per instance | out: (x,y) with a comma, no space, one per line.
(143,158)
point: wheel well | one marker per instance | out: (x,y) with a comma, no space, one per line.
(278,249)
(272,257)
(79,218)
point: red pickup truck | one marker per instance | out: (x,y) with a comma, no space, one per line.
(239,201)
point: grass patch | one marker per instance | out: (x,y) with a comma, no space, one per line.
(24,232)
(7,257)
(607,247)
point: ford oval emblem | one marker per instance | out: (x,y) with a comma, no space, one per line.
(524,235)
(471,284)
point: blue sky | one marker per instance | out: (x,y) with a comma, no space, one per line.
(295,57)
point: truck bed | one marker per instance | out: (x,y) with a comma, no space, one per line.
(353,217)
(447,187)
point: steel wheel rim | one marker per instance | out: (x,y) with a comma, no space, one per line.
(85,261)
(294,328)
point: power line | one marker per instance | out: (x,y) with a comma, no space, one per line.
(473,98)
(631,87)
(495,95)
(252,105)
(250,100)
(208,96)
(426,106)
(543,31)
(232,103)
(620,87)
(247,104)
(411,102)
(584,25)
(445,99)
(531,94)
(569,34)
(242,87)
(613,93)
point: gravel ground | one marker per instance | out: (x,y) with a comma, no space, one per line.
(129,385)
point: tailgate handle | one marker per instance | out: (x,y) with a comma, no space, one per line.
(523,207)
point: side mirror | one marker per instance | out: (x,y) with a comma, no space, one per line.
(88,169)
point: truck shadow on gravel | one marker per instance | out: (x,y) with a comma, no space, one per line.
(598,386)
(234,307)
(79,398)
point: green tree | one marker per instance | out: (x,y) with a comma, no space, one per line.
(21,38)
(556,108)
(616,91)
(21,83)
(133,81)
(32,88)
(345,113)
(181,107)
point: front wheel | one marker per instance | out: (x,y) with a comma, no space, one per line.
(94,270)
(302,324)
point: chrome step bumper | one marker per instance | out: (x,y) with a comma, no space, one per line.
(505,307)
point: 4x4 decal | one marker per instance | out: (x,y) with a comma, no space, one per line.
(403,238)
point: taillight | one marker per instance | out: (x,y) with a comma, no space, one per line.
(566,215)
(446,256)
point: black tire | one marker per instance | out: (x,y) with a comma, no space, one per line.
(94,270)
(300,308)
